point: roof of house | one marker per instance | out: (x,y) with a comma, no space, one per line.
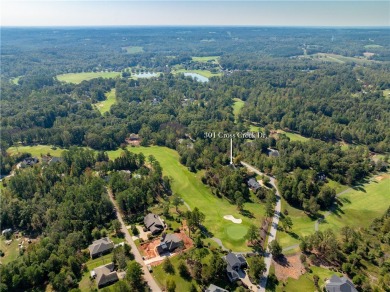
(337,284)
(214,288)
(105,274)
(55,160)
(153,221)
(100,245)
(273,152)
(232,273)
(252,183)
(169,242)
(30,161)
(235,259)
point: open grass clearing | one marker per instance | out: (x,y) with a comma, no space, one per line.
(361,205)
(207,59)
(105,105)
(79,77)
(133,49)
(293,136)
(386,93)
(36,150)
(373,46)
(15,80)
(237,107)
(304,283)
(340,59)
(11,251)
(190,187)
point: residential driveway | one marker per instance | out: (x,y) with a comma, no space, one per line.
(142,234)
(274,227)
(148,277)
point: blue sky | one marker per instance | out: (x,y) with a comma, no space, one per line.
(186,12)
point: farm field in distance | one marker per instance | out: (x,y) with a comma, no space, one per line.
(207,59)
(133,49)
(80,77)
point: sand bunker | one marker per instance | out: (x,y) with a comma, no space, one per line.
(231,218)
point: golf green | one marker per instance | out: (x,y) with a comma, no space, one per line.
(236,231)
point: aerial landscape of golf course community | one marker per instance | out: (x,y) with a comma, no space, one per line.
(187,159)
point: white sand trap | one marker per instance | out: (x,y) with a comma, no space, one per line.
(231,218)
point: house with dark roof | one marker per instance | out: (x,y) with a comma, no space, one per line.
(100,247)
(337,284)
(55,159)
(105,275)
(29,162)
(214,288)
(272,152)
(253,184)
(169,242)
(153,223)
(235,262)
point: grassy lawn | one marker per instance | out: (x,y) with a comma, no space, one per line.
(213,59)
(94,263)
(86,284)
(105,105)
(79,77)
(15,80)
(304,283)
(35,150)
(323,273)
(205,73)
(237,106)
(303,225)
(372,46)
(340,59)
(293,136)
(133,49)
(189,186)
(11,252)
(386,93)
(361,206)
(337,186)
(181,284)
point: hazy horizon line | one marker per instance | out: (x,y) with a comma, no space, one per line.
(194,25)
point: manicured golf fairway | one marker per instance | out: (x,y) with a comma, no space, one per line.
(361,206)
(105,105)
(237,106)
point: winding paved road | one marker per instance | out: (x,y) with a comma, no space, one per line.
(273,230)
(148,277)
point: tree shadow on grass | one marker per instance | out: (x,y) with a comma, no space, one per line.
(247,213)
